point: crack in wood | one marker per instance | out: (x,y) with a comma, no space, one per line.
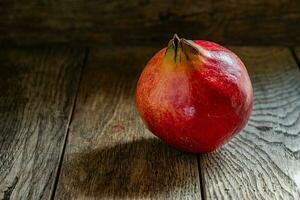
(8,192)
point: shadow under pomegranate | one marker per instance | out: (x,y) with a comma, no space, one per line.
(128,170)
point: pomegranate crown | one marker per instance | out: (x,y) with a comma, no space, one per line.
(188,47)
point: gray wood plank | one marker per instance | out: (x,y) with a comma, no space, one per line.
(37,92)
(263,162)
(110,154)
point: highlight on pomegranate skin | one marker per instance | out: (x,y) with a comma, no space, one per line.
(195,95)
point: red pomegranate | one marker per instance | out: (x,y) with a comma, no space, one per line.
(194,95)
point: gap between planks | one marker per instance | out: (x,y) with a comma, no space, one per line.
(296,54)
(201,177)
(68,125)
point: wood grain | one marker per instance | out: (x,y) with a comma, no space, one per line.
(37,91)
(263,162)
(149,22)
(110,154)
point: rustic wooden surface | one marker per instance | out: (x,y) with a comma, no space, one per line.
(263,162)
(37,90)
(149,22)
(109,153)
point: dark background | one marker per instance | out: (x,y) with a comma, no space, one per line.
(149,22)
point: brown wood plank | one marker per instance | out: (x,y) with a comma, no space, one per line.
(37,92)
(263,162)
(109,153)
(151,22)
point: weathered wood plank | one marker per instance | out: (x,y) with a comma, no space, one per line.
(263,162)
(109,153)
(151,22)
(37,91)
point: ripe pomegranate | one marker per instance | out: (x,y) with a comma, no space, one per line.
(194,95)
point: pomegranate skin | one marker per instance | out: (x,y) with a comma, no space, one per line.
(194,95)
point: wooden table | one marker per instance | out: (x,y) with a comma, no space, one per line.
(69,130)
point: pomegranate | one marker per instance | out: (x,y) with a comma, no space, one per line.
(194,95)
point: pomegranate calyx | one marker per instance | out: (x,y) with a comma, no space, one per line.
(177,45)
(173,45)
